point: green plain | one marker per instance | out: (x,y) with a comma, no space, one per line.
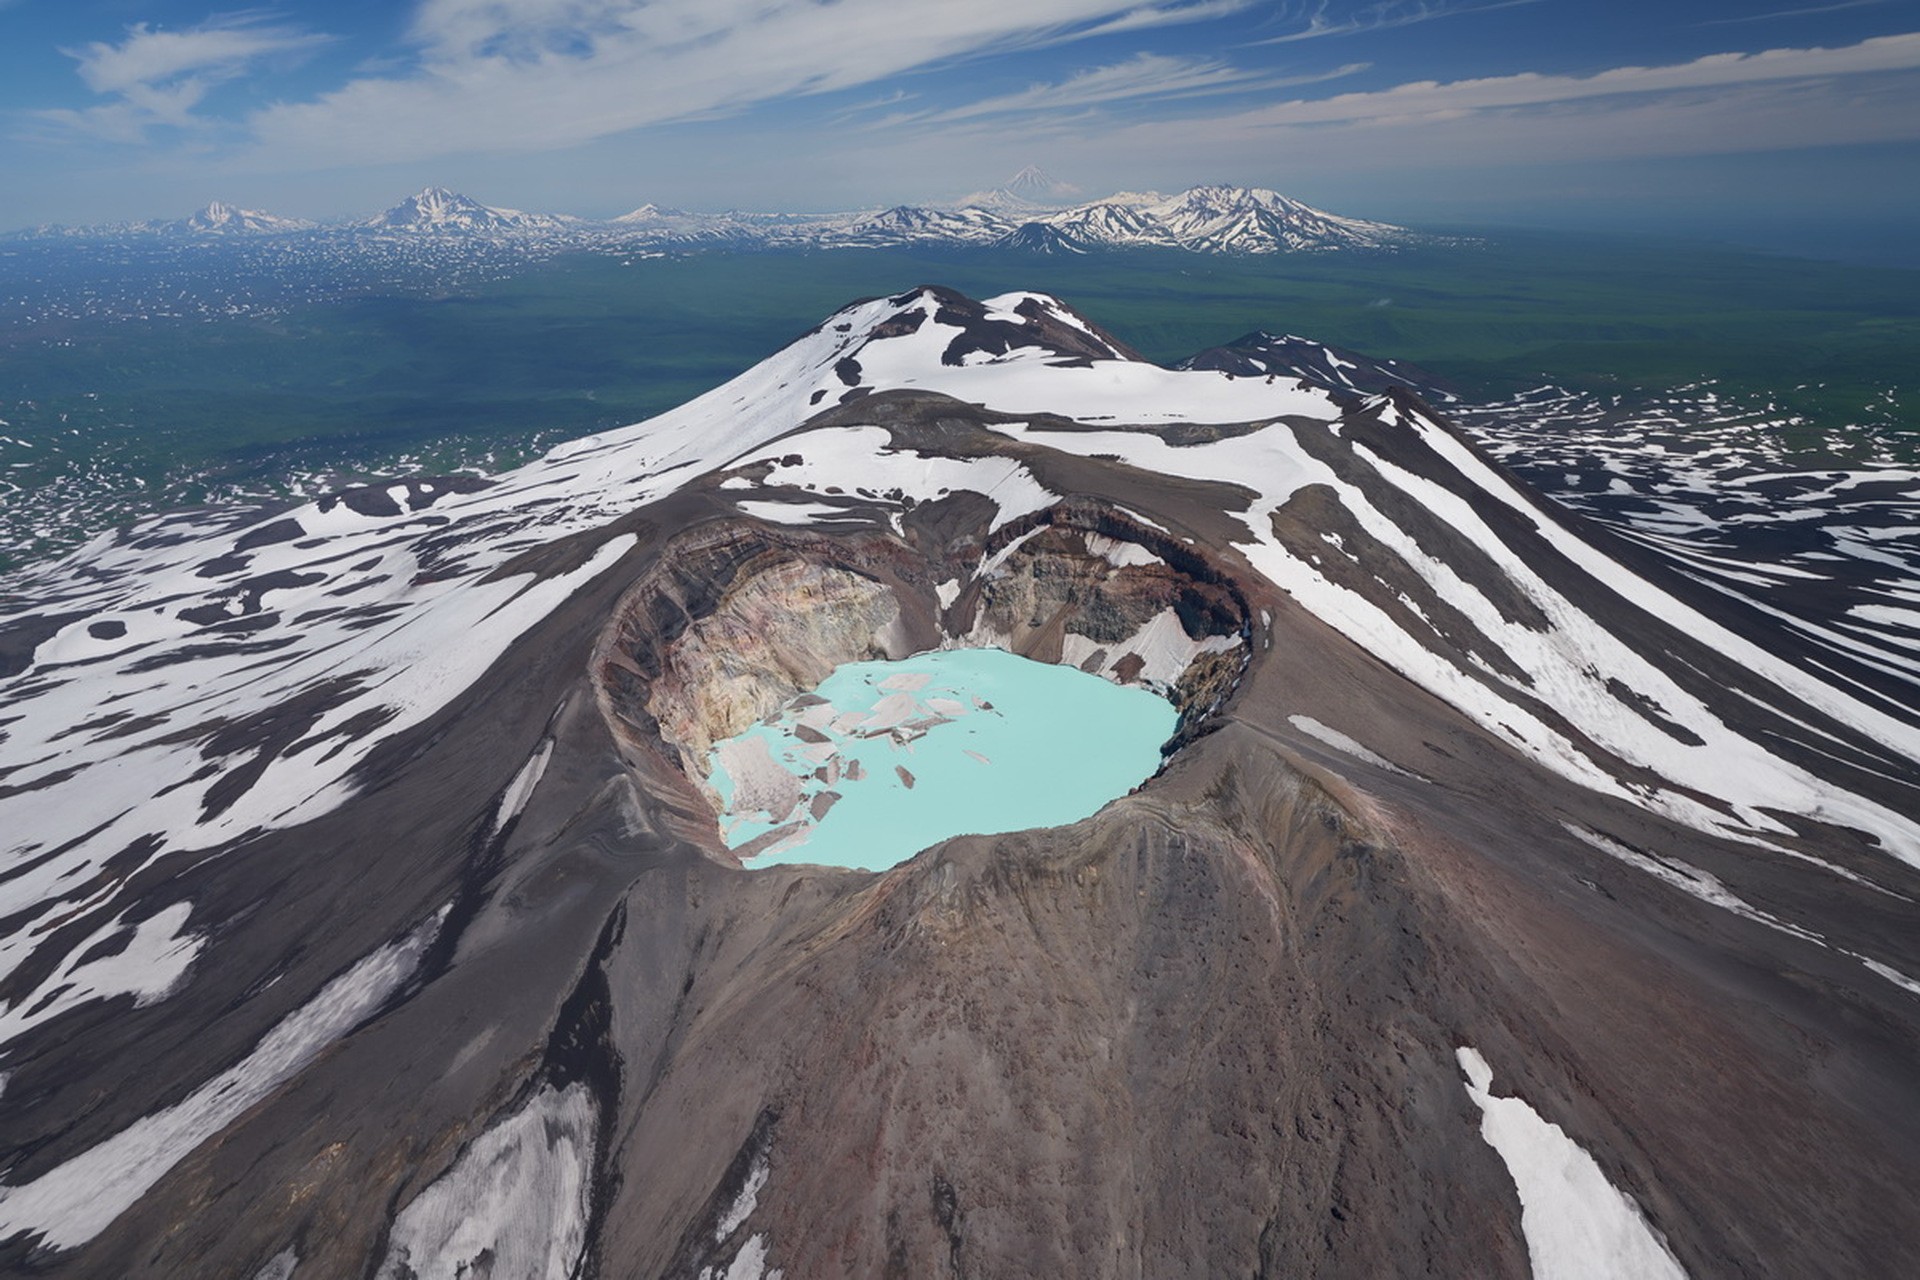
(590,340)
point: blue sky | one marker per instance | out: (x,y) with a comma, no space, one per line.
(1654,113)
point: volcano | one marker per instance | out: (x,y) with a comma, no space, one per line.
(1505,901)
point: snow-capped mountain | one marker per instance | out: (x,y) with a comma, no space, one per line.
(1028,191)
(225,219)
(1112,224)
(1039,237)
(1224,220)
(438,210)
(648,215)
(1504,884)
(905,225)
(654,227)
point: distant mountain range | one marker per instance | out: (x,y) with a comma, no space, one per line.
(1029,214)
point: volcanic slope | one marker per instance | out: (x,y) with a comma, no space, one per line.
(1508,901)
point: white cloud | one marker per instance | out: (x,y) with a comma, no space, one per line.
(504,75)
(1381,17)
(159,76)
(1429,98)
(1162,15)
(1145,76)
(1777,100)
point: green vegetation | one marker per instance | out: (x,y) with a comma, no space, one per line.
(173,409)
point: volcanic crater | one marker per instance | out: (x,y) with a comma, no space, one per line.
(738,617)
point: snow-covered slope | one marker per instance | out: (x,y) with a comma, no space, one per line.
(1038,237)
(1223,220)
(1437,652)
(1114,225)
(1335,368)
(128,723)
(1254,220)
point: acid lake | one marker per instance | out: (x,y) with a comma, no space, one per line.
(883,759)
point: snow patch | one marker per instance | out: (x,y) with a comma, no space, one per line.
(745,1203)
(1577,1224)
(279,1267)
(520,790)
(749,1264)
(1341,742)
(514,1204)
(791,512)
(863,458)
(1690,880)
(1120,554)
(150,966)
(1166,650)
(72,1203)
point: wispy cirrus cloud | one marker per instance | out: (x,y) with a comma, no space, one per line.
(523,75)
(1324,19)
(1773,100)
(1532,89)
(1803,12)
(1146,17)
(158,76)
(1144,77)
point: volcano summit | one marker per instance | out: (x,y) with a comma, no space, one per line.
(1505,901)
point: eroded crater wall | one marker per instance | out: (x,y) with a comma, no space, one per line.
(739,617)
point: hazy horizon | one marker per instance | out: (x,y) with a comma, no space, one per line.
(1699,115)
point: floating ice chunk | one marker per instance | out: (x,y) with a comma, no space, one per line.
(891,712)
(760,783)
(1577,1224)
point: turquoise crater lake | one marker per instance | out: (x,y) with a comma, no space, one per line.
(883,759)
